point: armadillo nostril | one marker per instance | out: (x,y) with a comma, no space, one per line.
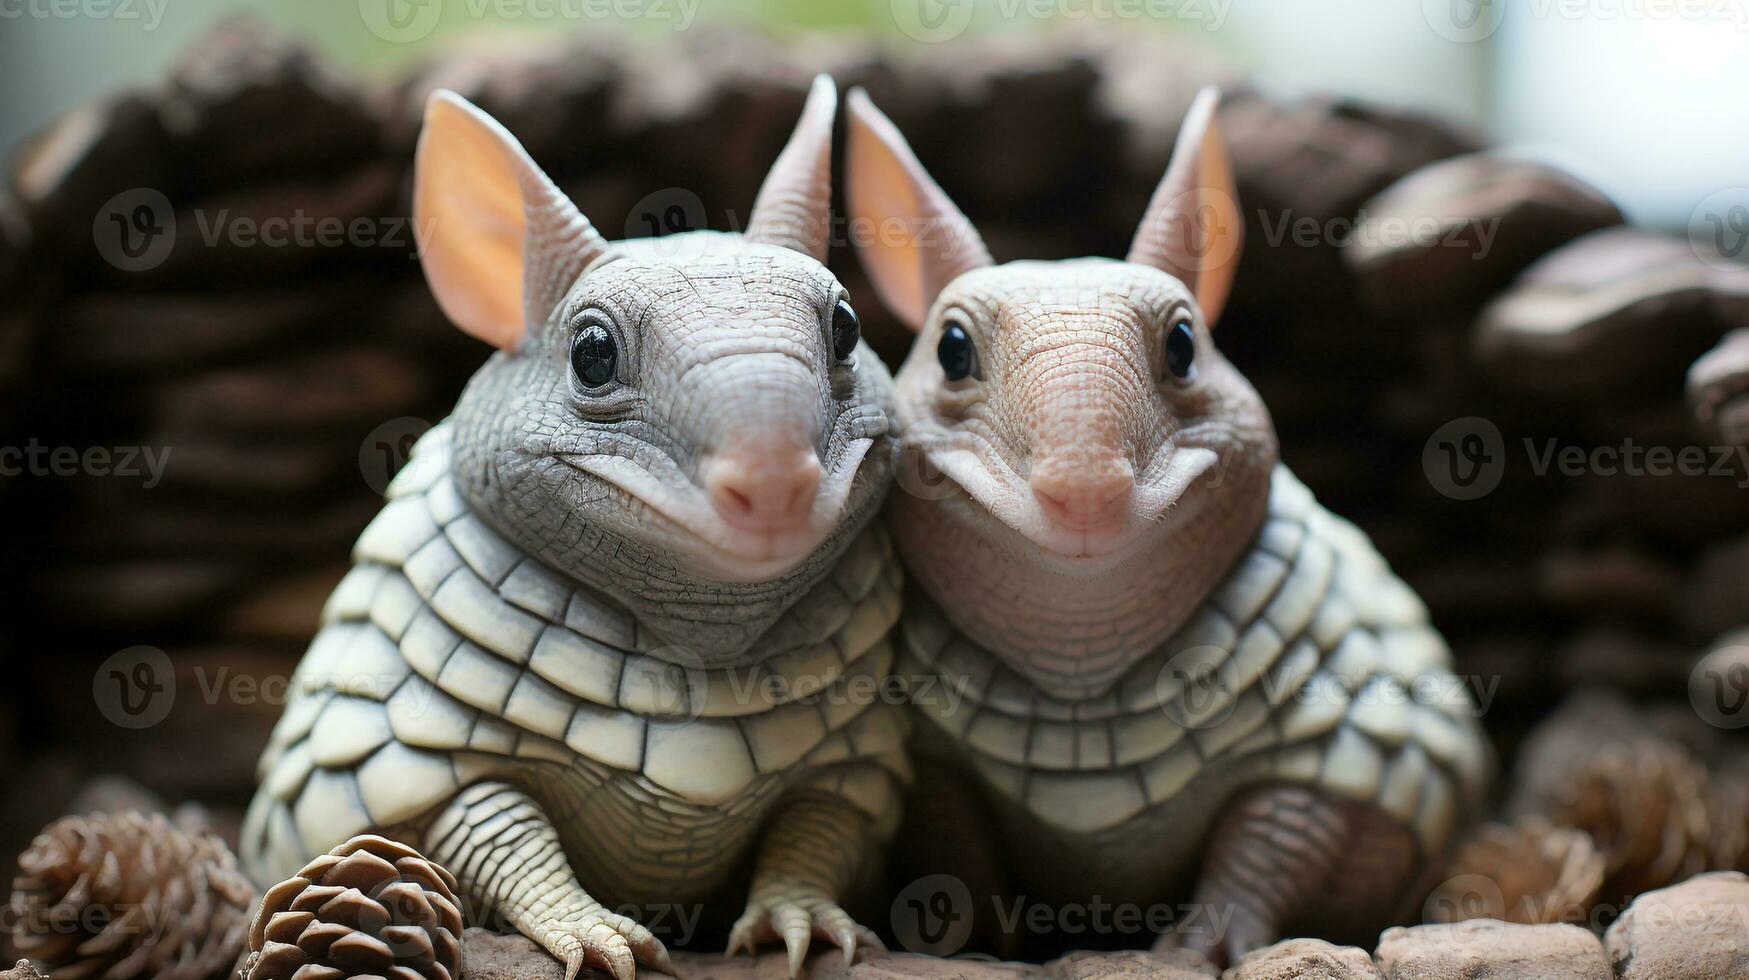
(1082,496)
(762,492)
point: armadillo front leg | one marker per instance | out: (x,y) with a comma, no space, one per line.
(507,857)
(811,853)
(1279,853)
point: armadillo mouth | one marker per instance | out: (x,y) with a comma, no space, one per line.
(683,522)
(1005,495)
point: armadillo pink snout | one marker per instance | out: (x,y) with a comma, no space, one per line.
(756,489)
(1080,495)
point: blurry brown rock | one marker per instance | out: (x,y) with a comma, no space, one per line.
(1623,659)
(65,174)
(339,387)
(1303,170)
(1486,948)
(117,332)
(1715,596)
(303,226)
(1529,872)
(1718,389)
(1614,579)
(127,896)
(1691,931)
(1304,959)
(1451,234)
(247,105)
(1620,310)
(370,907)
(1728,816)
(1171,964)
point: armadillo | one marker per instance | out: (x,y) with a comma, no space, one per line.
(613,645)
(1175,674)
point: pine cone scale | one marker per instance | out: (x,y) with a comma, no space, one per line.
(370,908)
(125,896)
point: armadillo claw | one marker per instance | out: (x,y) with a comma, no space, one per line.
(613,943)
(797,922)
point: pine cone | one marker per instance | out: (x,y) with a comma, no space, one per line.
(1543,874)
(125,895)
(370,907)
(1644,803)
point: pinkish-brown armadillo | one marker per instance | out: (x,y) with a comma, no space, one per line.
(616,638)
(1162,649)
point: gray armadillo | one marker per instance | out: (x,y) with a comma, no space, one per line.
(615,640)
(1161,648)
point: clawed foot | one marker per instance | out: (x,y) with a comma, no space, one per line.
(609,941)
(797,921)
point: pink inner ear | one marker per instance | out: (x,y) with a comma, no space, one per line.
(467,207)
(499,242)
(911,238)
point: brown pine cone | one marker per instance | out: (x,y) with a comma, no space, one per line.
(1644,803)
(1535,873)
(370,907)
(125,895)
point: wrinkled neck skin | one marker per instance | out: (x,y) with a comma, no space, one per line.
(1072,627)
(1071,397)
(681,607)
(518,434)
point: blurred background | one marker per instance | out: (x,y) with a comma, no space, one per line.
(1493,292)
(1638,96)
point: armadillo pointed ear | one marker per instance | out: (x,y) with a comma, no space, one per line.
(1193,229)
(500,244)
(794,206)
(911,238)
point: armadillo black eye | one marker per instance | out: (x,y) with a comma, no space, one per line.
(846,331)
(1180,349)
(959,359)
(594,357)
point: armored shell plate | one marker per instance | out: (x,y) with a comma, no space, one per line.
(447,657)
(1311,662)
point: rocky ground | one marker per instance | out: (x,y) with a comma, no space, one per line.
(1698,930)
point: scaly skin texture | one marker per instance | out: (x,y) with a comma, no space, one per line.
(618,643)
(1177,675)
